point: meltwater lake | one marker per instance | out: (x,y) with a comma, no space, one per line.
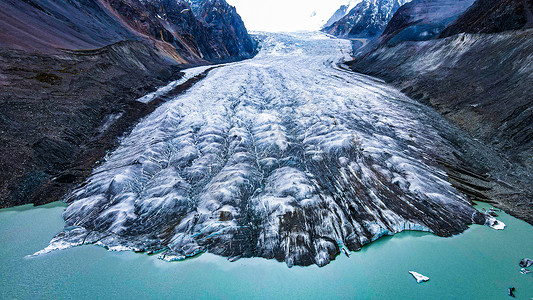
(478,264)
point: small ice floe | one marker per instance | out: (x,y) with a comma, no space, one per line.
(116,248)
(419,277)
(495,224)
(525,271)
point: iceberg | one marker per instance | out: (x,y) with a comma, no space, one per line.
(419,277)
(495,224)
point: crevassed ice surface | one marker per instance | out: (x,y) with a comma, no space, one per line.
(283,156)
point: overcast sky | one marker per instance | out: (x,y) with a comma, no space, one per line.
(285,15)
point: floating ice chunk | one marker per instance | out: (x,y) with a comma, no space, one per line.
(526,263)
(419,277)
(495,224)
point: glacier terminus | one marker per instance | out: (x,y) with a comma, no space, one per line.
(284,156)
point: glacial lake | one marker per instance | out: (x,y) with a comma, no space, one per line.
(479,264)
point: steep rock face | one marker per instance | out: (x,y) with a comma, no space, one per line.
(225,25)
(88,24)
(367,19)
(492,16)
(175,22)
(422,20)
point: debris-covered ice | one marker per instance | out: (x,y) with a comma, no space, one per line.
(280,156)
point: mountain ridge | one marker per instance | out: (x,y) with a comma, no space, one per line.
(71,72)
(367,19)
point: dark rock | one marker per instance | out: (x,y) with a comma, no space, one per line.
(526,263)
(87,24)
(492,16)
(422,20)
(47,128)
(225,25)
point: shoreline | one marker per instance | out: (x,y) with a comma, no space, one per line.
(377,270)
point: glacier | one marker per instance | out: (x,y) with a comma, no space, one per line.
(285,156)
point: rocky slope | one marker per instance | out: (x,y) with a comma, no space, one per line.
(75,24)
(60,100)
(45,26)
(491,16)
(422,20)
(225,25)
(481,82)
(367,19)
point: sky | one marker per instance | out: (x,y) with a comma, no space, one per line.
(285,15)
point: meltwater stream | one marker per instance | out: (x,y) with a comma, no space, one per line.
(283,156)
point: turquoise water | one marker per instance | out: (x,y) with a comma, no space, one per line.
(479,264)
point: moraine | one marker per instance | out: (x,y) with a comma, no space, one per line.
(284,156)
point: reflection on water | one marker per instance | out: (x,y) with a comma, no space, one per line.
(479,264)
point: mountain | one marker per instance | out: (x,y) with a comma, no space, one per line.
(45,26)
(479,81)
(422,20)
(367,19)
(72,70)
(337,15)
(223,24)
(491,16)
(341,12)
